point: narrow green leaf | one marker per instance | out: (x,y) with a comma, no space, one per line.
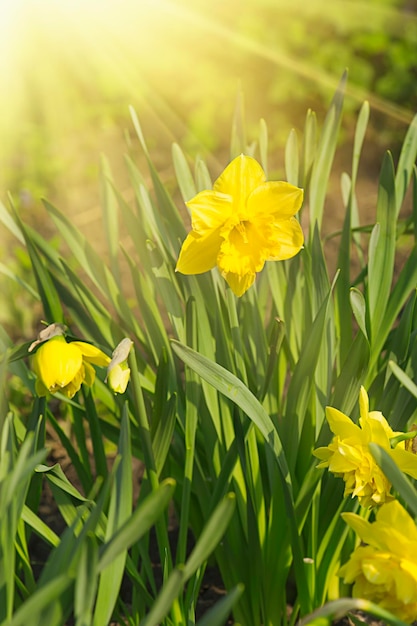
(382,250)
(183,173)
(263,145)
(404,379)
(166,597)
(309,147)
(302,382)
(358,304)
(342,311)
(238,143)
(406,164)
(352,375)
(292,158)
(86,583)
(19,280)
(211,535)
(404,286)
(92,264)
(164,433)
(11,224)
(402,335)
(146,514)
(219,613)
(30,612)
(41,529)
(47,292)
(235,390)
(202,176)
(361,126)
(336,609)
(120,508)
(325,153)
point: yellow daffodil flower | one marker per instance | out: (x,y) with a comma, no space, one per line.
(348,454)
(118,372)
(241,223)
(62,366)
(384,570)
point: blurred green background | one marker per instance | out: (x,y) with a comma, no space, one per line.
(69,69)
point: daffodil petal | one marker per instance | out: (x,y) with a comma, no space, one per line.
(406,460)
(91,354)
(361,526)
(239,284)
(393,515)
(341,424)
(199,254)
(240,178)
(286,241)
(277,199)
(209,211)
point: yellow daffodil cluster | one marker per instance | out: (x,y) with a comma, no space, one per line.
(241,223)
(64,366)
(348,454)
(384,568)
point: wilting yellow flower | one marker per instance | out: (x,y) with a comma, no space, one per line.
(348,454)
(241,223)
(385,569)
(118,372)
(62,366)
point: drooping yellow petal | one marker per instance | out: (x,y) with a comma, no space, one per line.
(239,179)
(74,385)
(199,254)
(91,354)
(239,284)
(277,200)
(209,211)
(57,362)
